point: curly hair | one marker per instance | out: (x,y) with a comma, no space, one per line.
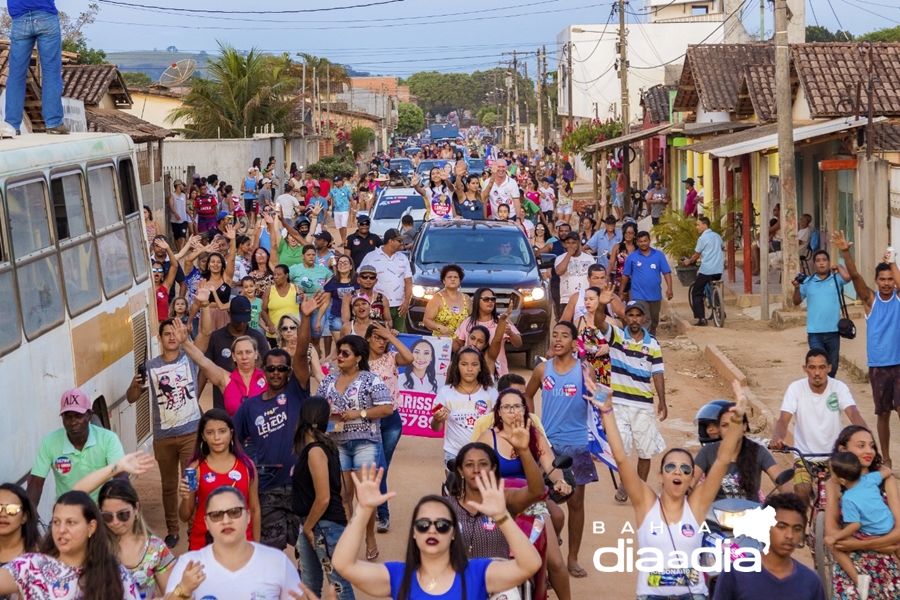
(454,378)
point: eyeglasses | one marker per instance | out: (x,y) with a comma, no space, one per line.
(671,467)
(10,509)
(233,513)
(157,270)
(442,526)
(489,298)
(345,354)
(289,328)
(121,515)
(279,368)
(368,276)
(512,408)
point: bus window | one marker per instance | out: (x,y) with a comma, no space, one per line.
(9,315)
(115,265)
(102,188)
(68,206)
(139,253)
(81,277)
(39,295)
(127,186)
(28,218)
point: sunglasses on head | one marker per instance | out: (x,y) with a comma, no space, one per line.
(279,368)
(10,509)
(442,526)
(672,467)
(120,515)
(233,513)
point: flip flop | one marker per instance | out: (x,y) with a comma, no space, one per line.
(373,554)
(621,496)
(578,573)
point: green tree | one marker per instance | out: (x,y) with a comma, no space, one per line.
(360,137)
(489,119)
(575,140)
(410,119)
(325,72)
(136,78)
(241,94)
(86,56)
(332,166)
(816,33)
(891,34)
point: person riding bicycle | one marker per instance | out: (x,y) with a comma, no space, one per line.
(709,251)
(817,403)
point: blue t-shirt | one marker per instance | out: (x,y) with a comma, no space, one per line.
(338,290)
(17,8)
(341,197)
(193,278)
(646,274)
(802,584)
(710,248)
(602,245)
(564,412)
(266,429)
(863,504)
(823,308)
(476,587)
(320,201)
(310,280)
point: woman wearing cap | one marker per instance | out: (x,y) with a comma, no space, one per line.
(361,315)
(448,308)
(379,310)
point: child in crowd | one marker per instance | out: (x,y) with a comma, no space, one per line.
(180,310)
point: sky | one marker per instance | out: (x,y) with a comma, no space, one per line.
(400,37)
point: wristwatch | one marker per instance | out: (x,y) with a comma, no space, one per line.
(180,593)
(363,413)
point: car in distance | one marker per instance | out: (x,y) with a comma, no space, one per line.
(391,204)
(493,255)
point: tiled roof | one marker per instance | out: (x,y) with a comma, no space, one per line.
(656,101)
(714,74)
(759,84)
(886,137)
(111,120)
(89,83)
(32,87)
(830,72)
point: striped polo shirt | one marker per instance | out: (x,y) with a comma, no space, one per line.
(634,362)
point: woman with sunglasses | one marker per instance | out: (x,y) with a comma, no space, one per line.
(316,497)
(18,525)
(219,462)
(343,283)
(379,310)
(75,560)
(286,338)
(468,394)
(231,566)
(485,313)
(449,307)
(679,507)
(436,566)
(359,400)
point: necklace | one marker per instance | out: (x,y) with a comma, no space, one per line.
(469,393)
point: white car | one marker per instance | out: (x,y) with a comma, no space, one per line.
(390,206)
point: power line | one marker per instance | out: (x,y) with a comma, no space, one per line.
(812,8)
(206,11)
(600,39)
(836,18)
(871,12)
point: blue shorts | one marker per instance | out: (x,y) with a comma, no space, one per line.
(332,323)
(356,453)
(619,200)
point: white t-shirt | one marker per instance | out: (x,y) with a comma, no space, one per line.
(464,411)
(505,193)
(269,575)
(393,271)
(548,198)
(288,205)
(817,416)
(576,276)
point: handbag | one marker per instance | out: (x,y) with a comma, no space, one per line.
(846,328)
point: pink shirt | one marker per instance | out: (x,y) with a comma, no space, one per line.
(462,333)
(235,392)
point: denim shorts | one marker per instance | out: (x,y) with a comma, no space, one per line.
(356,453)
(332,323)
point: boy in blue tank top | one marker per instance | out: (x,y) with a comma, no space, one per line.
(564,413)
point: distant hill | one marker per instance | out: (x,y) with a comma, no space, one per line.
(153,63)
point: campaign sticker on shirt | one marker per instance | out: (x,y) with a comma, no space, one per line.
(652,265)
(234,475)
(61,589)
(687,530)
(226,353)
(209,478)
(261,382)
(488,524)
(639,263)
(160,295)
(548,382)
(62,465)
(260,421)
(281,400)
(570,389)
(455,309)
(356,242)
(481,407)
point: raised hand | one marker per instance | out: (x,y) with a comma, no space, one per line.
(309,305)
(505,314)
(180,331)
(493,500)
(740,407)
(368,487)
(382,331)
(192,577)
(606,296)
(600,396)
(136,463)
(414,180)
(519,435)
(230,231)
(840,240)
(162,243)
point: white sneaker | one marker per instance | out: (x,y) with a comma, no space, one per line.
(862,586)
(7,130)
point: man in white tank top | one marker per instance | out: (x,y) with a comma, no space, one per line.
(178,216)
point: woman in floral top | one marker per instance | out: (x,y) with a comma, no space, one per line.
(384,362)
(591,340)
(19,530)
(77,538)
(359,400)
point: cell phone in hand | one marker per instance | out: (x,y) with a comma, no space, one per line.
(142,372)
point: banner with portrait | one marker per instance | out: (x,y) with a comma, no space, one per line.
(420,381)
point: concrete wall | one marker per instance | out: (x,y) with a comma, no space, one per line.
(303,151)
(229,158)
(155,109)
(872,208)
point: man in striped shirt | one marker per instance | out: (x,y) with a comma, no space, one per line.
(636,360)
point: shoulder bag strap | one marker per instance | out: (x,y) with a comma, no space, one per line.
(840,293)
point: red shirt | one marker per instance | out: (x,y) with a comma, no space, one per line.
(208,480)
(162,303)
(206,206)
(324,187)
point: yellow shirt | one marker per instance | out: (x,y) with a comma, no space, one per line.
(485,422)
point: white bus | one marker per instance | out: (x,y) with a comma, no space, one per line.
(74,289)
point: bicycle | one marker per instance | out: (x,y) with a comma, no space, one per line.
(713,305)
(822,559)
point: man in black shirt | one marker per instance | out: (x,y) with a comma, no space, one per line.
(362,242)
(221,340)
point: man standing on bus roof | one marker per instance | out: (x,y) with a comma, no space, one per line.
(175,408)
(74,450)
(34,21)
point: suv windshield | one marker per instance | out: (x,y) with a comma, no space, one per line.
(392,207)
(482,246)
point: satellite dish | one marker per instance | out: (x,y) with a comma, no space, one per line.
(178,72)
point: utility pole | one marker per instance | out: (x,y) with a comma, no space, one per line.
(508,82)
(303,98)
(550,119)
(328,97)
(571,120)
(789,247)
(762,20)
(315,103)
(540,97)
(527,134)
(515,74)
(626,105)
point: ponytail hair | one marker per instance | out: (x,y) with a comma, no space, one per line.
(314,414)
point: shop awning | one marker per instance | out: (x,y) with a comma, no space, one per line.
(765,137)
(636,136)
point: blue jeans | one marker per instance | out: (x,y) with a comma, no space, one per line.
(391,429)
(831,344)
(315,563)
(43,28)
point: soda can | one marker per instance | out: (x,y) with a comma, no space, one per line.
(893,254)
(190,476)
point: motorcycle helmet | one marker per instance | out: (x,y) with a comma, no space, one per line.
(301,221)
(708,413)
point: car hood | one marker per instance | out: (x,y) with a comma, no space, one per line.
(478,275)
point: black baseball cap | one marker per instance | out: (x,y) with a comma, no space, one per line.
(391,234)
(571,236)
(360,219)
(239,309)
(324,236)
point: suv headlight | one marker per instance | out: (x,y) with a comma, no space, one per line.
(532,294)
(427,293)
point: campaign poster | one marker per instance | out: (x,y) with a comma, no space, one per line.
(419,382)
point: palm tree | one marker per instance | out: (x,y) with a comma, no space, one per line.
(241,94)
(325,70)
